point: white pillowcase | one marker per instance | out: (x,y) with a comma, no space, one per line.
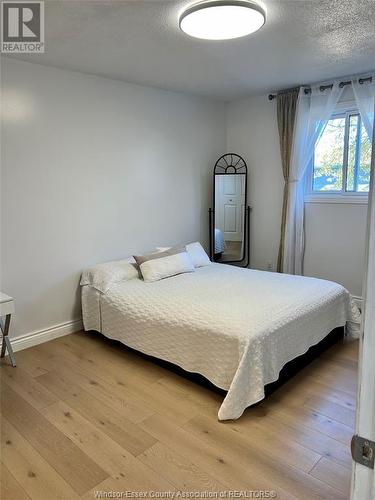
(164,264)
(196,253)
(103,276)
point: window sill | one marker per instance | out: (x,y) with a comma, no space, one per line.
(337,198)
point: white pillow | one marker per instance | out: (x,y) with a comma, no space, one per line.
(196,253)
(103,276)
(160,265)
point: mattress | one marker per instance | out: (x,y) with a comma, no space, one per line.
(237,327)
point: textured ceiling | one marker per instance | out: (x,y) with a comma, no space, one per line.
(138,41)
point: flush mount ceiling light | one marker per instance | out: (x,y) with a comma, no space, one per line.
(222,20)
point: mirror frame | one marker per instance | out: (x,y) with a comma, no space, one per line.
(230,164)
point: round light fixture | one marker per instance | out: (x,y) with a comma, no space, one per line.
(222,19)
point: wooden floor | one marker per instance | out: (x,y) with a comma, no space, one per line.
(82,415)
(232,251)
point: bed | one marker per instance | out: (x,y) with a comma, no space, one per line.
(236,327)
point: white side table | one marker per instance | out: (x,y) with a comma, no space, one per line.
(6,310)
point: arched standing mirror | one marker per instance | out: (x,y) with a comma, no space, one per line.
(230,216)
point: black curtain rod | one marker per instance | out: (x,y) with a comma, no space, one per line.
(307,90)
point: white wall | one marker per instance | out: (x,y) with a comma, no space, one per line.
(335,243)
(252,133)
(94,170)
(335,233)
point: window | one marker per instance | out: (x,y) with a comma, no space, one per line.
(342,158)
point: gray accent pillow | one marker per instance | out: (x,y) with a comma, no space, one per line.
(140,259)
(160,265)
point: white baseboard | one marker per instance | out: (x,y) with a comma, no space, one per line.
(358,301)
(40,336)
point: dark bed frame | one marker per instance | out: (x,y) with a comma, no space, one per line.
(286,373)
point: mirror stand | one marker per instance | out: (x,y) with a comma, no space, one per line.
(229,219)
(216,257)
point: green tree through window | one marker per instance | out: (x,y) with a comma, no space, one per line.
(342,156)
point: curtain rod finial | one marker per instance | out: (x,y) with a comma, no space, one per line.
(271,97)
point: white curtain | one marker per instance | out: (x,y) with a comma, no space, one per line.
(364,94)
(313,112)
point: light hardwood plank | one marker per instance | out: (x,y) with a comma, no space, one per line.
(344,350)
(333,474)
(212,458)
(331,375)
(10,488)
(80,343)
(283,450)
(343,361)
(292,430)
(115,393)
(142,399)
(29,363)
(27,387)
(184,474)
(109,420)
(236,471)
(80,471)
(205,398)
(34,474)
(118,361)
(113,371)
(109,455)
(299,389)
(332,410)
(284,474)
(313,420)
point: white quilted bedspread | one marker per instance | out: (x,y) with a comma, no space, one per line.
(237,327)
